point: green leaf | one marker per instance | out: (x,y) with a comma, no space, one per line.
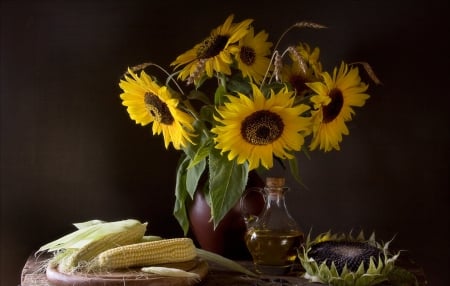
(190,150)
(206,116)
(181,194)
(238,84)
(295,171)
(202,141)
(293,166)
(201,81)
(193,176)
(219,96)
(201,153)
(195,164)
(227,181)
(198,95)
(274,86)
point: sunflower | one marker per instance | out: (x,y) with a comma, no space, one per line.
(252,58)
(214,53)
(345,260)
(148,102)
(305,67)
(333,101)
(255,129)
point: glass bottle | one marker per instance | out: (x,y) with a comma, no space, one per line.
(273,237)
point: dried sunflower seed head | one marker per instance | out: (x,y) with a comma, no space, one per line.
(344,260)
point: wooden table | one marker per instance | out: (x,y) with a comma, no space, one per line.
(34,275)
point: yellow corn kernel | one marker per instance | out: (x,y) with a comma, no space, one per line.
(82,256)
(148,253)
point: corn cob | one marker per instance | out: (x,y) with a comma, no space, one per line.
(147,253)
(81,257)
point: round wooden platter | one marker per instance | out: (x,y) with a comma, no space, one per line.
(128,277)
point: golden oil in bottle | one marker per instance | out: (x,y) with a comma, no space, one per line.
(273,251)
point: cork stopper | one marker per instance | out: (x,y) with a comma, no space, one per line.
(275,182)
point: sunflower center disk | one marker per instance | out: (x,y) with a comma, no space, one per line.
(332,110)
(247,55)
(348,251)
(262,127)
(212,46)
(158,109)
(344,253)
(298,82)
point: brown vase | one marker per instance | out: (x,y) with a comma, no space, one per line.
(228,237)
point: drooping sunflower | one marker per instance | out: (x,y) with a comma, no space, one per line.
(148,102)
(256,129)
(214,53)
(345,260)
(305,67)
(252,58)
(334,100)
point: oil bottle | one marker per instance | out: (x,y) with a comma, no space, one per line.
(273,237)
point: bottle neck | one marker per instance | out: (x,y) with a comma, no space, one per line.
(276,215)
(275,197)
(276,200)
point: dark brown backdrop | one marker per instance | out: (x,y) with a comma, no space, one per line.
(70,153)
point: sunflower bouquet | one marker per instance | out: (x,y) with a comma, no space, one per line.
(243,104)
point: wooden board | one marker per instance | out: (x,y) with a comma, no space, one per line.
(34,275)
(131,277)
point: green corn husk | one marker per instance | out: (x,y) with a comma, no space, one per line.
(76,249)
(148,238)
(88,223)
(223,261)
(172,272)
(87,232)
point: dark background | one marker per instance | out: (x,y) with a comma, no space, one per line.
(69,151)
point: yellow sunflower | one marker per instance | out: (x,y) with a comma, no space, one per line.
(305,67)
(148,102)
(252,58)
(333,103)
(214,53)
(256,129)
